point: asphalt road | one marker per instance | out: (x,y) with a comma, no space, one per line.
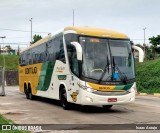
(14,106)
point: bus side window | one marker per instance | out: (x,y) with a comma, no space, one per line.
(59,51)
(21,61)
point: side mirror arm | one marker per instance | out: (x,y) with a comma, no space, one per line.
(78,50)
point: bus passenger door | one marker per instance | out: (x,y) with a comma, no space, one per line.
(74,80)
(74,89)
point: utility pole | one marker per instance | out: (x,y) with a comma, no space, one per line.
(3,46)
(31,29)
(18,50)
(3,71)
(144,29)
(73,17)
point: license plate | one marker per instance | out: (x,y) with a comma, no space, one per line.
(112,99)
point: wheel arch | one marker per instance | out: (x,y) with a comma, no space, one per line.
(62,86)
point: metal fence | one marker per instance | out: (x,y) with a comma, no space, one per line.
(2,83)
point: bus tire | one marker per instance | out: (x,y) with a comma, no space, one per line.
(63,98)
(26,91)
(107,107)
(30,95)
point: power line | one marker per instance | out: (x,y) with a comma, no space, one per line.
(15,43)
(139,39)
(23,30)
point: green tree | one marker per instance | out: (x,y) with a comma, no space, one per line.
(155,41)
(36,38)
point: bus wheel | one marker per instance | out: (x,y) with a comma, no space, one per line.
(26,92)
(63,98)
(30,96)
(107,107)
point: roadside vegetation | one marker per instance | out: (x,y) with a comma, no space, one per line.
(11,62)
(148,76)
(5,121)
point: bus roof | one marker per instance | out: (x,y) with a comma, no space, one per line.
(82,31)
(41,41)
(96,32)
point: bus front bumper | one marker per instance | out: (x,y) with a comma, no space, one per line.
(88,98)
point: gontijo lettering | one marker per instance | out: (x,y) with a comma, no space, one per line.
(31,70)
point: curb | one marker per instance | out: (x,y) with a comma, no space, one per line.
(145,94)
(142,94)
(156,94)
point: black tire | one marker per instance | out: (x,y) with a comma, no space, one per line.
(26,92)
(63,97)
(30,96)
(107,107)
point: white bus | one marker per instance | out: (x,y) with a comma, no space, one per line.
(81,65)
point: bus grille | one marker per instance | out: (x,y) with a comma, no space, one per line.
(111,93)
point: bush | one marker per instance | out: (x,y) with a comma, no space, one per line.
(148,76)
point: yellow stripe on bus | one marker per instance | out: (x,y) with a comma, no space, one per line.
(29,74)
(103,87)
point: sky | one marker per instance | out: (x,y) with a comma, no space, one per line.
(126,16)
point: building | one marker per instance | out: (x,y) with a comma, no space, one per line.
(7,50)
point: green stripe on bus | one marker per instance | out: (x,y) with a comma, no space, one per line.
(127,87)
(119,87)
(45,75)
(123,87)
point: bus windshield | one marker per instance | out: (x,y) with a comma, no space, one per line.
(111,58)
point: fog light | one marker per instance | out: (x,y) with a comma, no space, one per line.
(133,89)
(132,99)
(89,99)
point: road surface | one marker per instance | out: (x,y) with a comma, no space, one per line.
(15,106)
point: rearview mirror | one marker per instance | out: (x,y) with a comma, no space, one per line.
(78,50)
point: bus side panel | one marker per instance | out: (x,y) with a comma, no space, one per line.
(45,76)
(29,75)
(58,77)
(62,76)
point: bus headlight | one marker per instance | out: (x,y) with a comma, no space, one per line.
(133,89)
(90,90)
(87,88)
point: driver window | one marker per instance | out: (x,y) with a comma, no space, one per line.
(72,56)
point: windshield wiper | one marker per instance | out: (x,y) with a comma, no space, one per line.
(123,77)
(105,70)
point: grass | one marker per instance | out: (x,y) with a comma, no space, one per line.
(11,62)
(148,76)
(5,121)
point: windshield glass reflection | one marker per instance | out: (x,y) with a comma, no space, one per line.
(97,53)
